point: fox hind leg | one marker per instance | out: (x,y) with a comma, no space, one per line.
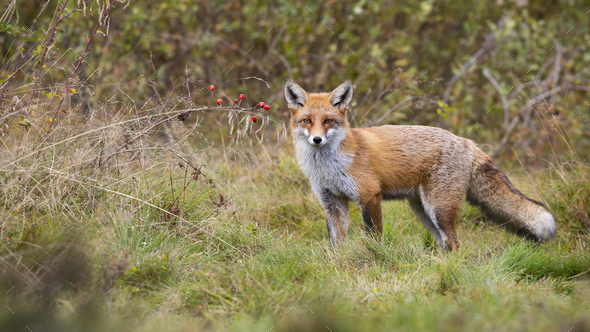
(418,208)
(442,208)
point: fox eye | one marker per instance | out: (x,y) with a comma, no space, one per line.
(306,121)
(328,121)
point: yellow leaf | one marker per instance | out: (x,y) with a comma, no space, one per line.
(44,66)
(73,90)
(401,62)
(24,123)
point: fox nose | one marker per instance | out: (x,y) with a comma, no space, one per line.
(317,140)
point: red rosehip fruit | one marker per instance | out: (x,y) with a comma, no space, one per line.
(212,87)
(254,119)
(266,107)
(219,101)
(235,101)
(261,104)
(241,97)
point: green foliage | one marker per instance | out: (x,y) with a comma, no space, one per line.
(412,49)
(208,230)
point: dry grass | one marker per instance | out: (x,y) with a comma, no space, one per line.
(180,233)
(169,216)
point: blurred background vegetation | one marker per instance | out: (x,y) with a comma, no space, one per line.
(500,54)
(112,208)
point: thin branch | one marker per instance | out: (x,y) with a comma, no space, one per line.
(528,106)
(330,63)
(395,107)
(202,109)
(154,79)
(544,68)
(487,46)
(496,85)
(246,55)
(274,41)
(578,74)
(463,69)
(188,89)
(59,18)
(80,62)
(18,66)
(522,87)
(556,69)
(285,63)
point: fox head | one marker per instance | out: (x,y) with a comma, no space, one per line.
(318,118)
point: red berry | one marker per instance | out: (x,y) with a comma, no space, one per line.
(212,87)
(261,104)
(266,107)
(235,101)
(254,119)
(219,101)
(241,97)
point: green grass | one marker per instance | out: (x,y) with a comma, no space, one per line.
(112,220)
(264,260)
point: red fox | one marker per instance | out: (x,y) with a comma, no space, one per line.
(432,168)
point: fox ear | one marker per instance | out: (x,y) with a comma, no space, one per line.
(295,95)
(342,95)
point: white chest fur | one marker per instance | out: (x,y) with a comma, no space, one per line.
(326,167)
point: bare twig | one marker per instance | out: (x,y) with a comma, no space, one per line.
(59,18)
(556,69)
(544,68)
(330,63)
(464,68)
(274,41)
(396,106)
(202,109)
(246,55)
(188,89)
(80,62)
(522,87)
(494,82)
(154,79)
(487,46)
(285,63)
(526,111)
(20,63)
(528,106)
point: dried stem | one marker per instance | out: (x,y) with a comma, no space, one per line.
(52,30)
(188,89)
(202,110)
(154,79)
(498,88)
(59,18)
(80,62)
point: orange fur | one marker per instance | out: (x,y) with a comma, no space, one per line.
(432,168)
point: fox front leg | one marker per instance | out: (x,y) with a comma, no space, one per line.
(371,211)
(336,216)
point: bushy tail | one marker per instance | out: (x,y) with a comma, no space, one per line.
(505,205)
